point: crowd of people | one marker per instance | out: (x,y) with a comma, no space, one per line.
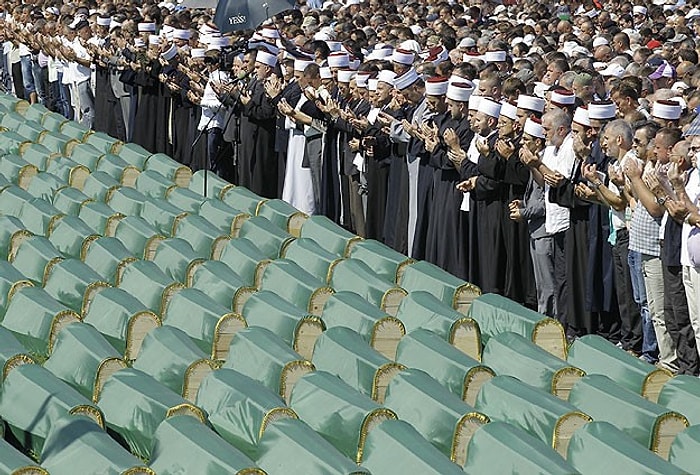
(548,153)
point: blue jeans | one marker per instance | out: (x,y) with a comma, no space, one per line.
(649,346)
(27,75)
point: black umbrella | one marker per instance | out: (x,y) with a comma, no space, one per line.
(234,15)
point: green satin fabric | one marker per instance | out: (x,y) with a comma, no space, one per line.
(290,281)
(30,316)
(12,459)
(214,184)
(8,226)
(87,155)
(77,445)
(237,405)
(498,447)
(134,155)
(195,313)
(327,234)
(4,181)
(173,256)
(126,200)
(260,354)
(95,215)
(507,399)
(68,200)
(37,155)
(112,165)
(242,256)
(110,312)
(423,310)
(219,214)
(145,281)
(183,445)
(605,400)
(342,352)
(12,120)
(268,310)
(31,130)
(428,277)
(354,276)
(266,236)
(74,130)
(599,447)
(310,256)
(243,199)
(218,281)
(44,185)
(682,394)
(32,399)
(52,121)
(9,275)
(12,198)
(685,449)
(32,256)
(11,165)
(430,408)
(56,142)
(333,409)
(135,232)
(424,350)
(104,255)
(383,260)
(101,141)
(291,446)
(97,184)
(77,354)
(185,199)
(496,314)
(278,212)
(396,447)
(160,214)
(134,404)
(35,113)
(510,354)
(166,354)
(152,184)
(596,355)
(10,142)
(36,215)
(9,347)
(347,309)
(61,168)
(162,164)
(68,234)
(199,232)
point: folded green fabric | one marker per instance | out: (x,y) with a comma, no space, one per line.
(185,199)
(218,281)
(243,257)
(152,184)
(172,170)
(101,141)
(197,231)
(283,215)
(328,235)
(126,200)
(71,282)
(134,154)
(383,260)
(293,283)
(39,156)
(138,236)
(684,450)
(215,184)
(32,255)
(268,238)
(352,275)
(99,216)
(44,185)
(225,217)
(428,277)
(241,198)
(682,394)
(68,233)
(173,256)
(268,310)
(145,281)
(36,215)
(85,154)
(12,198)
(161,214)
(311,257)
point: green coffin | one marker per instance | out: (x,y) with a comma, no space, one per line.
(599,447)
(68,200)
(268,238)
(172,170)
(226,218)
(102,141)
(685,449)
(134,154)
(152,184)
(682,394)
(294,284)
(31,130)
(312,257)
(283,215)
(118,169)
(52,121)
(383,260)
(11,141)
(99,216)
(241,198)
(9,225)
(184,445)
(44,185)
(68,233)
(36,215)
(355,276)
(214,184)
(243,257)
(35,113)
(428,277)
(98,184)
(73,283)
(37,155)
(161,215)
(13,461)
(31,254)
(104,255)
(87,155)
(184,199)
(145,281)
(219,282)
(74,130)
(329,235)
(125,200)
(174,256)
(12,198)
(17,170)
(11,280)
(138,236)
(197,231)
(12,353)
(59,143)
(68,171)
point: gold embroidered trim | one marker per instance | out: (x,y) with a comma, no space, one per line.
(85,247)
(18,237)
(186,409)
(93,412)
(90,291)
(107,368)
(58,323)
(372,420)
(15,361)
(276,414)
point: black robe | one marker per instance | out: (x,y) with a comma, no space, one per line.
(146,126)
(396,216)
(292,93)
(377,173)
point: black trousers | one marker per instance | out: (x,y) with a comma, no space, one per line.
(631,322)
(677,320)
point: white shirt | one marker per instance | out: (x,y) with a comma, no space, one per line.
(692,188)
(80,73)
(210,103)
(559,160)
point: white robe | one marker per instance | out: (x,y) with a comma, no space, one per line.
(298,188)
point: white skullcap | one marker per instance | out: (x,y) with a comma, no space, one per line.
(207,30)
(301,64)
(613,69)
(266,58)
(380,53)
(168,34)
(533,127)
(146,27)
(416,29)
(639,10)
(139,43)
(345,75)
(603,110)
(169,53)
(402,56)
(600,41)
(361,79)
(410,45)
(181,34)
(474,101)
(153,39)
(436,86)
(387,76)
(217,43)
(667,110)
(472,56)
(354,63)
(334,46)
(509,110)
(489,107)
(495,56)
(467,43)
(270,32)
(372,84)
(114,24)
(562,97)
(104,21)
(460,91)
(326,72)
(197,52)
(530,103)
(581,117)
(406,80)
(338,60)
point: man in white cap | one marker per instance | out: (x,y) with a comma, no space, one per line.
(666,113)
(528,106)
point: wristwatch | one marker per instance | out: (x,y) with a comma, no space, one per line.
(662,200)
(596,184)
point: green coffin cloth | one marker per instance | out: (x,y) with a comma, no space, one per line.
(283,214)
(112,313)
(685,449)
(12,167)
(145,281)
(328,235)
(10,348)
(68,233)
(68,200)
(349,310)
(97,215)
(126,200)
(76,444)
(184,199)
(10,141)
(104,255)
(36,154)
(269,310)
(68,171)
(293,283)
(267,237)
(71,281)
(396,447)
(102,141)
(12,198)
(10,281)
(499,447)
(383,260)
(8,226)
(260,354)
(336,411)
(218,281)
(497,314)
(595,355)
(310,256)
(152,184)
(98,184)
(197,231)
(74,130)
(243,257)
(35,113)
(291,446)
(223,216)
(342,352)
(59,143)
(12,459)
(354,276)
(682,394)
(33,254)
(241,198)
(117,168)
(12,120)
(87,155)
(134,404)
(31,130)
(166,355)
(605,400)
(430,278)
(420,309)
(174,171)
(32,399)
(214,183)
(456,371)
(35,318)
(440,416)
(52,121)
(36,214)
(599,447)
(183,445)
(134,155)
(507,399)
(78,356)
(510,354)
(161,215)
(173,256)
(44,185)
(240,408)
